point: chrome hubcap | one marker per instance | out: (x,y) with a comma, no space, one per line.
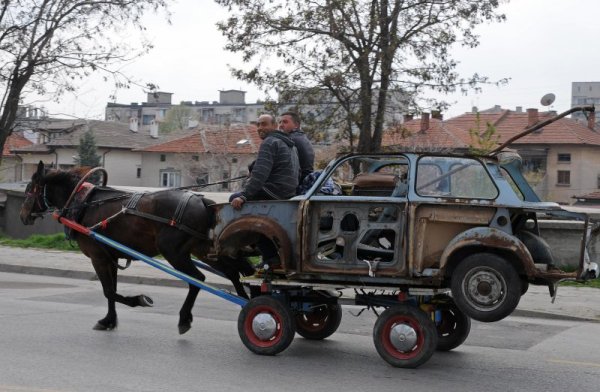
(403,337)
(485,288)
(264,326)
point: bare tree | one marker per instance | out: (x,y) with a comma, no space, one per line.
(363,54)
(46,45)
(220,160)
(178,117)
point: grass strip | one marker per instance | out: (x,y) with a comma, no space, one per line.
(56,241)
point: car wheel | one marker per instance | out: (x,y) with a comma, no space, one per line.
(266,326)
(486,287)
(405,336)
(453,327)
(319,323)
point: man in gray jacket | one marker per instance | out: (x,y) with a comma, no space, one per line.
(276,169)
(289,122)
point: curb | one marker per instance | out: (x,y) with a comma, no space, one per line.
(551,316)
(151,281)
(86,275)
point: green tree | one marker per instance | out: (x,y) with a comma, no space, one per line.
(177,117)
(362,54)
(87,151)
(482,142)
(47,45)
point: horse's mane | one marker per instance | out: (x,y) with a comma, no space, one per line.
(66,176)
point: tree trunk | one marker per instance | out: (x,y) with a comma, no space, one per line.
(366,104)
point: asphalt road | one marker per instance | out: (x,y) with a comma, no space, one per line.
(47,344)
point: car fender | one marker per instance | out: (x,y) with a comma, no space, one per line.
(257,225)
(492,239)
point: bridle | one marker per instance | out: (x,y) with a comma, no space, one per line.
(41,201)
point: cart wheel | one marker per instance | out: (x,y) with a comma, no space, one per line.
(266,326)
(405,336)
(320,323)
(486,287)
(524,286)
(453,328)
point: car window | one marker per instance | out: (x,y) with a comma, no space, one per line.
(454,177)
(514,186)
(371,176)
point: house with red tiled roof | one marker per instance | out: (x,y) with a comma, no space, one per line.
(58,143)
(562,159)
(11,167)
(206,155)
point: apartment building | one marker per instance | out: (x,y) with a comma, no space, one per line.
(231,108)
(585,93)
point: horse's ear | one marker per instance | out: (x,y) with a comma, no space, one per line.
(40,169)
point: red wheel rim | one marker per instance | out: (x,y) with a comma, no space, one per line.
(313,321)
(250,333)
(387,343)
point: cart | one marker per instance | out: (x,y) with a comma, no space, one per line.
(425,240)
(414,324)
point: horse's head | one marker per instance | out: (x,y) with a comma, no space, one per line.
(35,198)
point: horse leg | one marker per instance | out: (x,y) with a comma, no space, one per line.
(107,274)
(106,269)
(185,313)
(232,268)
(176,249)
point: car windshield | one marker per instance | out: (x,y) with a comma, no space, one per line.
(456,177)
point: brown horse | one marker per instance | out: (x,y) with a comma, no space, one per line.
(152,230)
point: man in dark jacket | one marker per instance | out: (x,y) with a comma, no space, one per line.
(289,122)
(275,172)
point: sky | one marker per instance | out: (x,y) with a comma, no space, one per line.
(543,47)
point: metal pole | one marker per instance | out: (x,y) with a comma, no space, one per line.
(149,260)
(541,125)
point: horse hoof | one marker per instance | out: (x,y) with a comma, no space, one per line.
(184,328)
(101,327)
(144,300)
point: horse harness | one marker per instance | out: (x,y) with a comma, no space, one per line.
(86,190)
(176,221)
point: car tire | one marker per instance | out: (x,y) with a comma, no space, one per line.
(486,287)
(405,336)
(321,321)
(453,327)
(266,326)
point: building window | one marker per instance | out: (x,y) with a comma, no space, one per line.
(225,185)
(564,158)
(147,119)
(138,172)
(163,157)
(202,179)
(234,160)
(564,177)
(170,178)
(195,158)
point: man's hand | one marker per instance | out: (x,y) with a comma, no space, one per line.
(237,203)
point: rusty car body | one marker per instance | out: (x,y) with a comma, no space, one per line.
(414,220)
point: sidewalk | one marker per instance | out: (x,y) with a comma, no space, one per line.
(571,302)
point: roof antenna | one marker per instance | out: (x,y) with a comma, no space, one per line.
(548,99)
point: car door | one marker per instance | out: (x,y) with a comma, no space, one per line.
(355,219)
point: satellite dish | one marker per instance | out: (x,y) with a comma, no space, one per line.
(548,99)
